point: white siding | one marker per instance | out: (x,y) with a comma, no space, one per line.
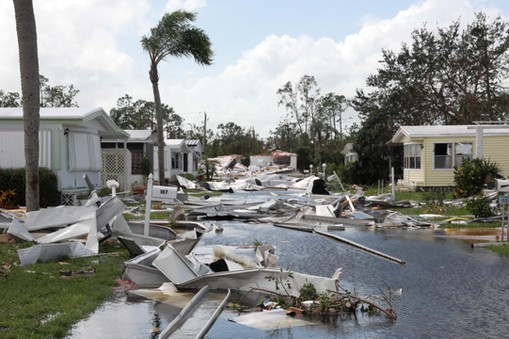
(57,150)
(45,149)
(12,149)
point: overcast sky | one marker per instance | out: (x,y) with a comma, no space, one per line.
(258,45)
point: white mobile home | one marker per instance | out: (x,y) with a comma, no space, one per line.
(69,142)
(123,159)
(180,156)
(349,153)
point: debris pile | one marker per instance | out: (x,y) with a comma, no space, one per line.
(165,252)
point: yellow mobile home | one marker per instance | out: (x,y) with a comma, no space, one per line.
(432,152)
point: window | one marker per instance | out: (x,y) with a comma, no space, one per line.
(84,152)
(443,155)
(412,155)
(175,160)
(112,145)
(136,161)
(137,154)
(448,155)
(462,151)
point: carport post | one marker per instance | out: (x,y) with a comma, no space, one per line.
(393,188)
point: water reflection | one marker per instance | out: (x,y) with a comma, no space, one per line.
(450,290)
(121,318)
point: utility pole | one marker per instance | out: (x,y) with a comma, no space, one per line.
(204,141)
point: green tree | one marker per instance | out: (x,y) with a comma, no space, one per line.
(375,156)
(285,137)
(174,36)
(332,107)
(195,132)
(299,100)
(174,126)
(304,151)
(10,99)
(29,72)
(230,138)
(57,96)
(450,76)
(131,114)
(312,121)
(140,114)
(447,76)
(472,174)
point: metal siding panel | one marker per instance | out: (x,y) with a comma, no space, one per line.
(496,149)
(414,175)
(56,150)
(45,149)
(94,152)
(12,152)
(440,177)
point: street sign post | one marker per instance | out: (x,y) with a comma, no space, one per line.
(503,202)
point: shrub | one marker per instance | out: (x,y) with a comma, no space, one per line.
(350,173)
(479,207)
(472,175)
(308,292)
(48,187)
(7,198)
(146,166)
(14,179)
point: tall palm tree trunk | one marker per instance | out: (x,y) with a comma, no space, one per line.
(29,70)
(154,79)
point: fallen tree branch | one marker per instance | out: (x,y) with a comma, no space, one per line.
(389,312)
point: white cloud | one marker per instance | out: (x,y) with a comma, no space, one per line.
(80,43)
(188,5)
(94,45)
(245,93)
(9,64)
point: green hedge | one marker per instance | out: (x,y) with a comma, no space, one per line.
(14,179)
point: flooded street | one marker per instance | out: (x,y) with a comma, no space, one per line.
(450,290)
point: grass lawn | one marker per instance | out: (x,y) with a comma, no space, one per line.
(45,300)
(502,249)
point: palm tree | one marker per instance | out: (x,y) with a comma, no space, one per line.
(29,70)
(175,36)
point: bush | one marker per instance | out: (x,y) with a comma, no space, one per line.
(351,173)
(14,179)
(308,292)
(146,166)
(479,207)
(471,176)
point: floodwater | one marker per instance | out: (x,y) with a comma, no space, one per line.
(450,290)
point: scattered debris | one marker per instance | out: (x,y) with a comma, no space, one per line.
(163,252)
